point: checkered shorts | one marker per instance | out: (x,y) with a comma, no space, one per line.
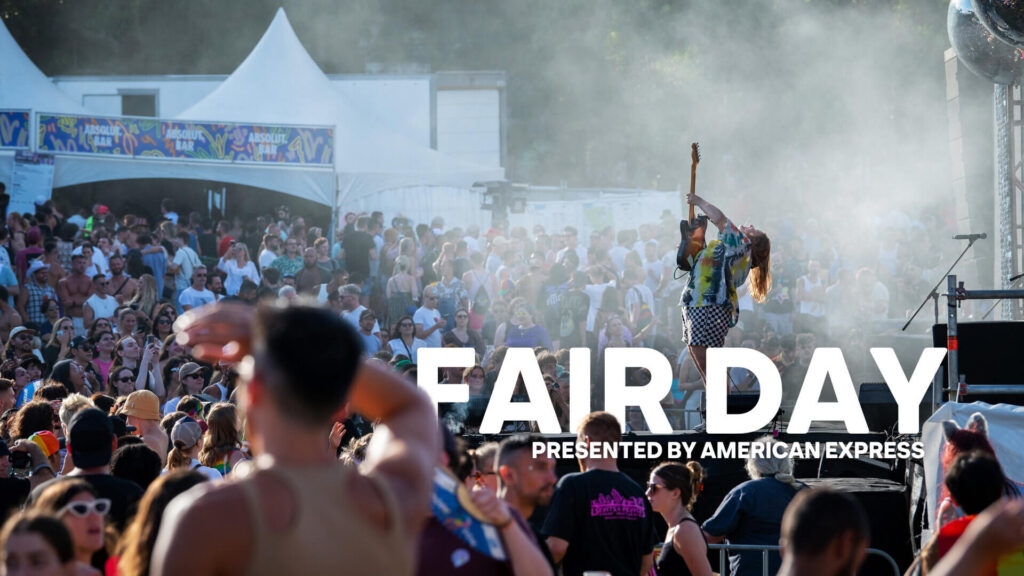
(706,325)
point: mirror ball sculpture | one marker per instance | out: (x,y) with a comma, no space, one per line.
(983,52)
(1004,18)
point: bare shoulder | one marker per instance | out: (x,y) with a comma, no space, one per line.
(687,534)
(369,502)
(198,526)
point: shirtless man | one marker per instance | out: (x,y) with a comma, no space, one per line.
(298,367)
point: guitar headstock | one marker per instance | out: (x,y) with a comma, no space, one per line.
(695,153)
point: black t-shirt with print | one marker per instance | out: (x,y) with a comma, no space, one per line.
(606,519)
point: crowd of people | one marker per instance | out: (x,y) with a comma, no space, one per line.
(147,358)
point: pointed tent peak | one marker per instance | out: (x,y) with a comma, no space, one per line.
(277,75)
(23,85)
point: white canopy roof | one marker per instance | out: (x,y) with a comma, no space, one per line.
(279,83)
(22,85)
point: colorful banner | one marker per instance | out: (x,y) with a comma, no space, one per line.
(207,141)
(14,129)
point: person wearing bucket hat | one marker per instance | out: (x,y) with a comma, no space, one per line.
(91,444)
(142,410)
(186,436)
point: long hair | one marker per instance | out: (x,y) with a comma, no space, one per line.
(179,457)
(146,297)
(53,341)
(221,435)
(136,546)
(760,266)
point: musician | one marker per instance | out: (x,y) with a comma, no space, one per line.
(709,302)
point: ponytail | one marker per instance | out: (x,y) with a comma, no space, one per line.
(760,266)
(696,482)
(178,457)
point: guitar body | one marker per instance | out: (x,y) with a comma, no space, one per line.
(691,234)
(692,229)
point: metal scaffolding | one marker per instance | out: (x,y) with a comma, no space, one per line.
(1008,105)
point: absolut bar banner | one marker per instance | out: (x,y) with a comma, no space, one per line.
(207,141)
(14,129)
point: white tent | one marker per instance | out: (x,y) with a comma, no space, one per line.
(22,85)
(279,83)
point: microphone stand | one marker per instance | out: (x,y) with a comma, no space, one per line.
(1013,280)
(934,294)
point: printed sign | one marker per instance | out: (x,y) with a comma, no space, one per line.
(207,141)
(14,129)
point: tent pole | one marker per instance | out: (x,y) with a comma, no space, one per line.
(334,213)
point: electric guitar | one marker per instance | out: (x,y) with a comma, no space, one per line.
(693,229)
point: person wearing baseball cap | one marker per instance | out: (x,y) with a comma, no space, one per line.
(50,445)
(143,412)
(37,290)
(91,443)
(187,436)
(191,377)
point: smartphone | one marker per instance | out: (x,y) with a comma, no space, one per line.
(21,460)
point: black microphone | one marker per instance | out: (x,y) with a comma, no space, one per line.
(981,236)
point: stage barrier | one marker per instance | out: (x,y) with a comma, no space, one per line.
(765,549)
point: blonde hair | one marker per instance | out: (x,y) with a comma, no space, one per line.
(71,405)
(146,297)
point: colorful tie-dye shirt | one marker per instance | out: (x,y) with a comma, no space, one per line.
(720,268)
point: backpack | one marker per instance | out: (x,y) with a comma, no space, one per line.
(481,302)
(644,316)
(566,316)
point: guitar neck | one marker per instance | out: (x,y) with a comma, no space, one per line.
(693,188)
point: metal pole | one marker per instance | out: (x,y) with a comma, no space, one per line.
(1002,104)
(953,367)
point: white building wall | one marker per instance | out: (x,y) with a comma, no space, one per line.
(175,94)
(401,104)
(466,122)
(469,125)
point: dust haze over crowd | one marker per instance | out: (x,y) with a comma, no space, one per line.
(804,108)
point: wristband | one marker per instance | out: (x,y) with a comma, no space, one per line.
(42,466)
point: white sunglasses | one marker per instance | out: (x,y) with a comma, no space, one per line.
(82,509)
